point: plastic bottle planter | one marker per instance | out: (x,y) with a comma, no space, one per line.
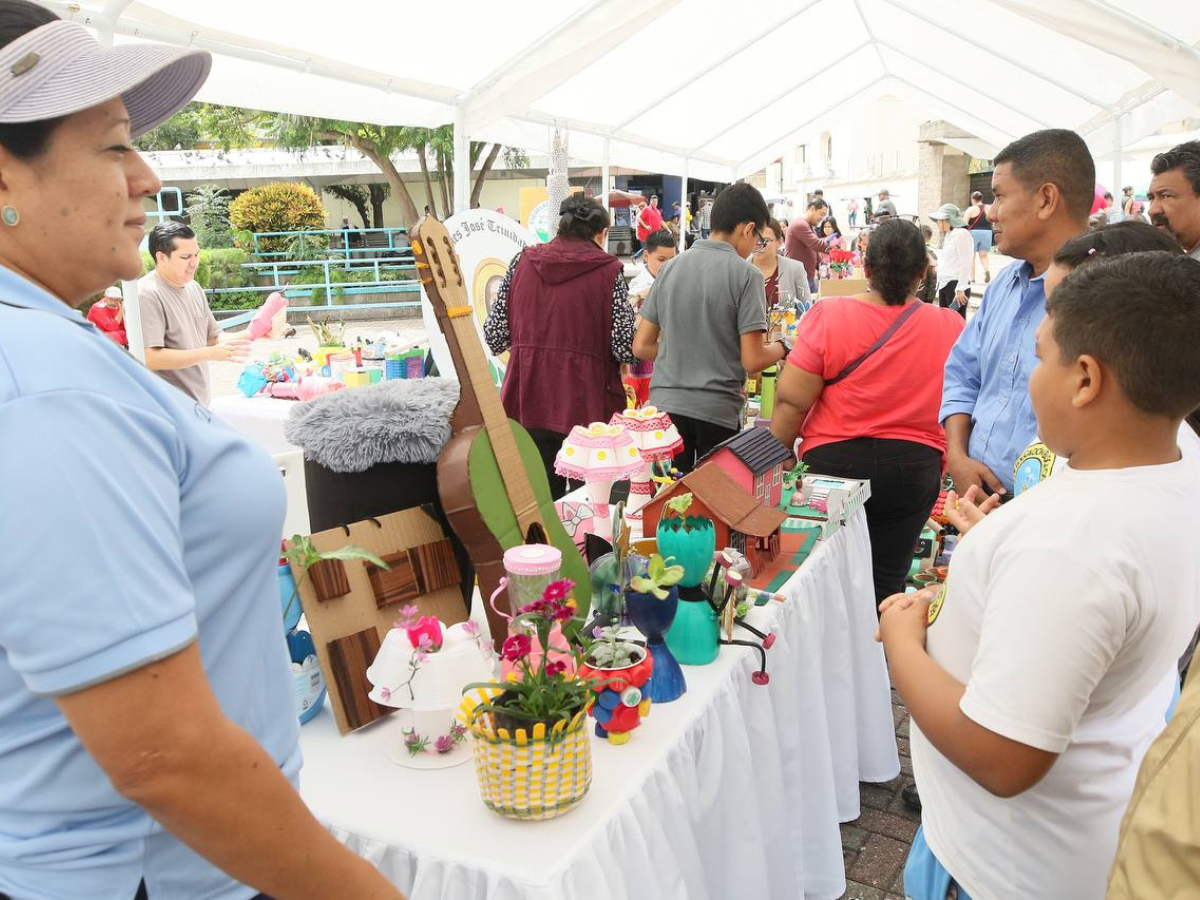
(694,635)
(608,603)
(306,675)
(329,579)
(653,618)
(536,774)
(622,699)
(691,540)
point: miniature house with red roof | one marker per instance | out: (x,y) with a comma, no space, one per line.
(740,521)
(754,460)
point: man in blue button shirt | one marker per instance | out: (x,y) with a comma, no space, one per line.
(1044,185)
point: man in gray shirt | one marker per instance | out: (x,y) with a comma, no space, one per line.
(885,209)
(703,326)
(179,331)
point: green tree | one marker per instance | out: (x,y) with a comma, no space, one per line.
(367,199)
(282,206)
(230,126)
(208,212)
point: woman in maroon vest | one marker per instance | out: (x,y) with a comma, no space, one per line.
(563,309)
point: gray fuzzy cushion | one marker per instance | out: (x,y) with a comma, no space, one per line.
(350,430)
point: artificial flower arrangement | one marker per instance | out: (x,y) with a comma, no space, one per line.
(427,642)
(533,757)
(841,263)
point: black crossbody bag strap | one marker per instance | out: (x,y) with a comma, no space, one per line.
(879,342)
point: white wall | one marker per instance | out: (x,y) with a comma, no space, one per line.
(496,192)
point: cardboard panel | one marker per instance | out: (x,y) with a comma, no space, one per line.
(358,610)
(435,566)
(397,584)
(348,660)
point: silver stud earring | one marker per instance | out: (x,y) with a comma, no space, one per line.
(10,216)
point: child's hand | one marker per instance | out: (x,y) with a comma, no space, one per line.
(904,615)
(967,512)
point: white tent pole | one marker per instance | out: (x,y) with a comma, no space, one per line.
(1118,149)
(133,320)
(604,176)
(462,160)
(683,206)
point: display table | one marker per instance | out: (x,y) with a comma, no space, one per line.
(734,790)
(258,418)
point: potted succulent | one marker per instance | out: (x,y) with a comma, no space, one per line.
(690,539)
(326,570)
(619,670)
(652,601)
(532,752)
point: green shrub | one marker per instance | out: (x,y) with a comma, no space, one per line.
(282,206)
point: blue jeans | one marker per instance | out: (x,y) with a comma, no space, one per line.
(925,878)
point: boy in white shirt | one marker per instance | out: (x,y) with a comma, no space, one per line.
(659,248)
(1039,675)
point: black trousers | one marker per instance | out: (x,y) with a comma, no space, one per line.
(698,438)
(905,480)
(946,297)
(548,444)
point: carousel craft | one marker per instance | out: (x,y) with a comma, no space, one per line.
(598,455)
(657,441)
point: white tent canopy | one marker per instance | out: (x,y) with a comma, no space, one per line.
(706,88)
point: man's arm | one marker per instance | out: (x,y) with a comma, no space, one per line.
(158,358)
(756,355)
(960,392)
(164,743)
(645,342)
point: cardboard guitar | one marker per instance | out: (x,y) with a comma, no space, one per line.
(491,480)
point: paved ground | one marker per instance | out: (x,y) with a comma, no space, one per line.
(876,844)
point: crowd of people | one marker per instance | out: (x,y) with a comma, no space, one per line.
(1040,673)
(150,748)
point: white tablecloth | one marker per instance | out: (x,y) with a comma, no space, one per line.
(258,418)
(734,790)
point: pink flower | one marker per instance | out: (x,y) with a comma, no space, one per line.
(458,730)
(561,613)
(471,627)
(426,626)
(516,646)
(487,645)
(558,590)
(555,667)
(425,643)
(419,657)
(444,744)
(411,739)
(597,632)
(385,694)
(408,615)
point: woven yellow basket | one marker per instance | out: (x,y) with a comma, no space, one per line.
(534,776)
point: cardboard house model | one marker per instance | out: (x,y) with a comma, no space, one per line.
(740,520)
(754,460)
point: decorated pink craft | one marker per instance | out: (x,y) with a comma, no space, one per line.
(657,440)
(599,455)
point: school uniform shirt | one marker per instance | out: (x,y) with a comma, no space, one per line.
(134,525)
(1064,614)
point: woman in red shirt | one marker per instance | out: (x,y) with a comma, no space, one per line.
(865,379)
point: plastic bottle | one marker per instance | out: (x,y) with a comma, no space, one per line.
(260,325)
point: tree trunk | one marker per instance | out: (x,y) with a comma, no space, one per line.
(488,162)
(444,168)
(407,208)
(355,199)
(378,196)
(422,150)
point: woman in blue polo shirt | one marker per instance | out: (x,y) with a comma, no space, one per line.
(147,741)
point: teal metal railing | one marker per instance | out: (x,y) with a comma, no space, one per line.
(349,244)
